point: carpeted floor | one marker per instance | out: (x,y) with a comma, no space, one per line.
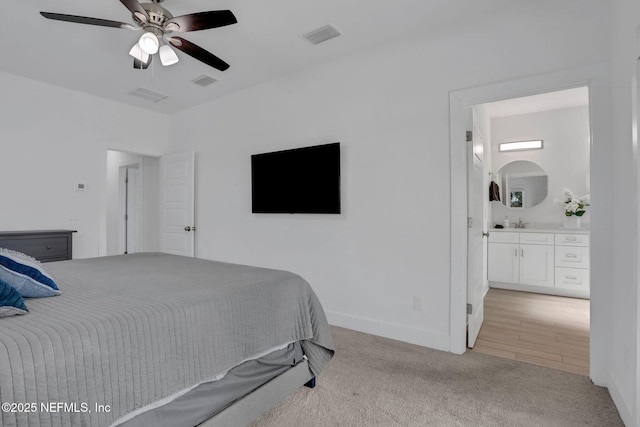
(375,381)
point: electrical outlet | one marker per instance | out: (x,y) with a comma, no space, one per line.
(417,303)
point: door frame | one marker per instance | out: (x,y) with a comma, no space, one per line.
(104,197)
(596,78)
(124,226)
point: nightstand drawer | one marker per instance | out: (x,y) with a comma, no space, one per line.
(45,246)
(43,249)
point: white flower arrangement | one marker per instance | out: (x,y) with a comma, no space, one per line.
(574,205)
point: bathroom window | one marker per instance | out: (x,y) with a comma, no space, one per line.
(516,200)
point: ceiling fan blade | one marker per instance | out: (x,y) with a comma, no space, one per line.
(139,65)
(201,21)
(198,53)
(87,20)
(135,6)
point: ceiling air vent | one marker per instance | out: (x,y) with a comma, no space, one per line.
(204,80)
(148,95)
(322,34)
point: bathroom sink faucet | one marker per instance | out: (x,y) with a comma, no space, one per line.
(521,224)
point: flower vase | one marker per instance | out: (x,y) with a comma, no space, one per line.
(572,221)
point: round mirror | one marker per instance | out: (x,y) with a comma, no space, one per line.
(522,184)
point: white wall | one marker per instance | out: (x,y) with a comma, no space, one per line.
(53,138)
(565,158)
(625,318)
(389,108)
(150,239)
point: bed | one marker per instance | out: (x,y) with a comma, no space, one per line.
(148,339)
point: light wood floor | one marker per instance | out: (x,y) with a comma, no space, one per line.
(539,329)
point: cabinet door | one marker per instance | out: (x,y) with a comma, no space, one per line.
(536,265)
(503,262)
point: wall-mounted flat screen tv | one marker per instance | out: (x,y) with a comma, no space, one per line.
(302,180)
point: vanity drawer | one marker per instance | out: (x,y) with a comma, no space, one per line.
(536,238)
(572,240)
(572,256)
(572,278)
(503,237)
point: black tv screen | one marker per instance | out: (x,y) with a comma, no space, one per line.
(302,180)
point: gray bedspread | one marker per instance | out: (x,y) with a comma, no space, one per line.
(130,330)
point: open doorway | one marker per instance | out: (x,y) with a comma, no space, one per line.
(536,306)
(132,203)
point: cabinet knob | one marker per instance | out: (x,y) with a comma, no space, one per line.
(48,247)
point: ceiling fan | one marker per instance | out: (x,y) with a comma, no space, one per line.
(159,25)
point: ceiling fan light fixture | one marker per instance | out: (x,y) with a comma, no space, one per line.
(139,54)
(149,43)
(167,55)
(157,25)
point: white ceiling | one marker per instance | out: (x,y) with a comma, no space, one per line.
(543,102)
(265,44)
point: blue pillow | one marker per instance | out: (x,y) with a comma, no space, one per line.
(11,302)
(26,274)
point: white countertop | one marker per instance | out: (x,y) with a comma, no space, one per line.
(543,228)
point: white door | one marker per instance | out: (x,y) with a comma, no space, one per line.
(475,238)
(178,183)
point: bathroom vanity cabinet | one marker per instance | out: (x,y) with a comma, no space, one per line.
(552,262)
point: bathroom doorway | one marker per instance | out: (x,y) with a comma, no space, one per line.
(536,305)
(539,329)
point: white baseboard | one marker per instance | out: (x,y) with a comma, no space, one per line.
(394,331)
(625,411)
